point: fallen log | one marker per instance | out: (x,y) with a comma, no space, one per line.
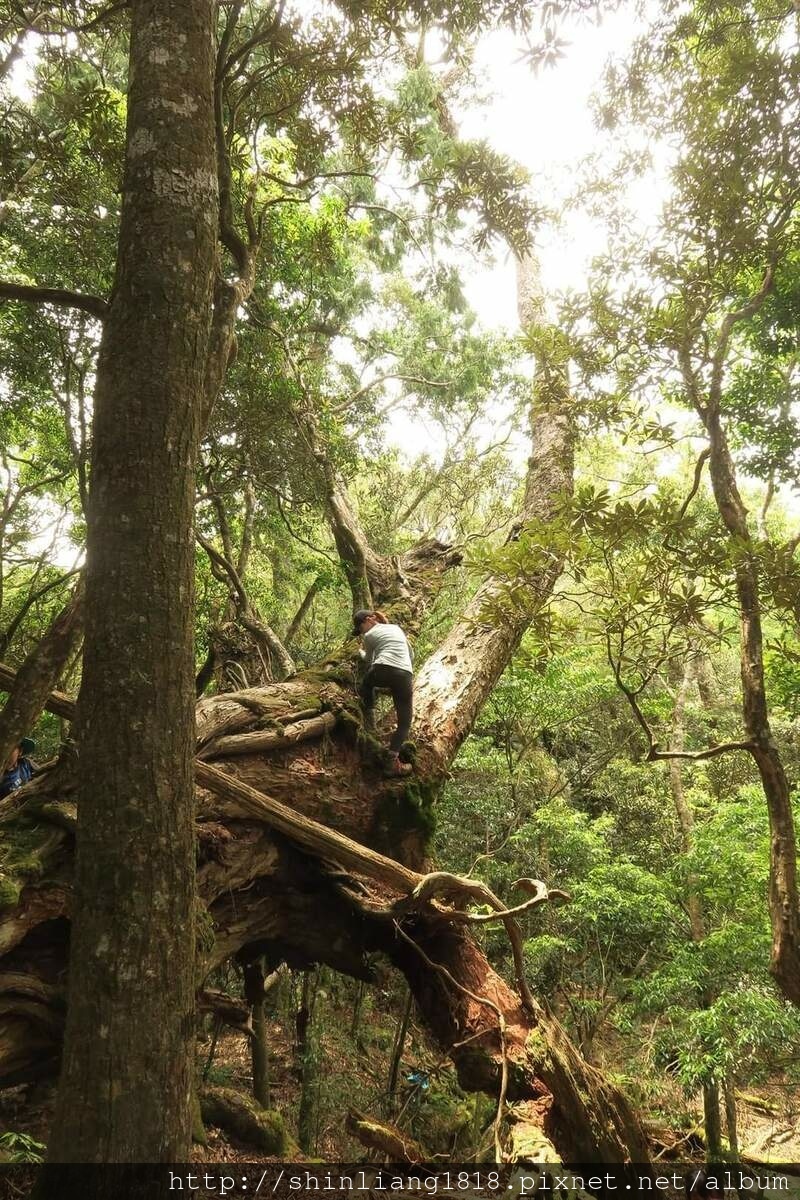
(390,1141)
(247,1121)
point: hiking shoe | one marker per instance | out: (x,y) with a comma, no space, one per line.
(396,767)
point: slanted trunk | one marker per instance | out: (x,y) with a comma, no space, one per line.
(459,676)
(124,1097)
(376,580)
(39,674)
(58,703)
(299,617)
(784,901)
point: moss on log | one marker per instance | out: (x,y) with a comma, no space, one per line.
(239,1115)
(388,1139)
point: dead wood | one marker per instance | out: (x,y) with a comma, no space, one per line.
(262,742)
(239,1115)
(387,1139)
(228,1009)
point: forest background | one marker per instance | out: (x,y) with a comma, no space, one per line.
(606,635)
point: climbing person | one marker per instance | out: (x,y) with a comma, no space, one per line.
(19,768)
(387,656)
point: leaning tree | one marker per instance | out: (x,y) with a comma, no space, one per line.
(306,851)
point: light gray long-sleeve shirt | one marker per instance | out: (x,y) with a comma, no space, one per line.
(387,644)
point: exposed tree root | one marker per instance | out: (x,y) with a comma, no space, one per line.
(258,743)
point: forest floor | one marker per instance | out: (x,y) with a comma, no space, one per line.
(773,1136)
(764,1134)
(345,1070)
(351,1042)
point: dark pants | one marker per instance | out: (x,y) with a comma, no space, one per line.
(401,685)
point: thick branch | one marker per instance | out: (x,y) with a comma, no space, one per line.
(403,582)
(653,752)
(58,703)
(698,475)
(264,741)
(656,755)
(7,635)
(316,838)
(419,890)
(300,615)
(237,587)
(33,26)
(381,379)
(457,679)
(60,297)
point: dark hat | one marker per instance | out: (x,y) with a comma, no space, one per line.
(27,745)
(359,617)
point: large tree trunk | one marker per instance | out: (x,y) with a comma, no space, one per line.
(124,1097)
(310,905)
(456,680)
(313,905)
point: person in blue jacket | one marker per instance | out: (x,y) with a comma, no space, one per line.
(19,768)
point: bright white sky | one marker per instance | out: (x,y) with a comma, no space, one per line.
(541,120)
(544,122)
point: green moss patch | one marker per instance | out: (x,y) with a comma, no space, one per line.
(410,810)
(335,670)
(10,890)
(23,848)
(240,1115)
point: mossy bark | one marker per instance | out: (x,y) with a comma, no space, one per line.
(124,1097)
(246,1120)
